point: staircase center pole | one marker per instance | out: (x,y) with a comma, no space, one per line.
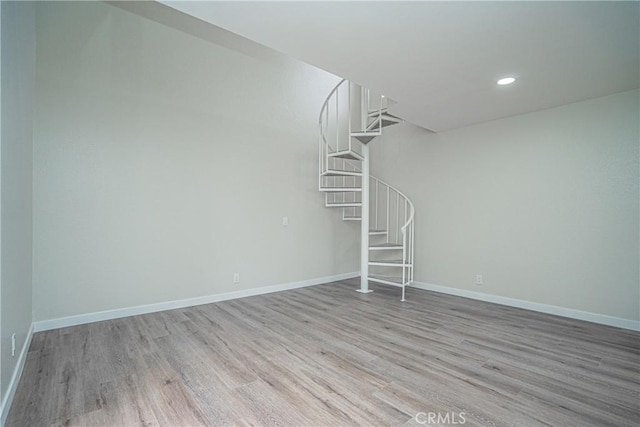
(364,230)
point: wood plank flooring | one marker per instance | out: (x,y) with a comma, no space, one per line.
(329,356)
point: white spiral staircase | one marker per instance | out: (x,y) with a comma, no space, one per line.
(350,118)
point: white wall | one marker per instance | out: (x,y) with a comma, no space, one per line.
(164,163)
(18,68)
(543,205)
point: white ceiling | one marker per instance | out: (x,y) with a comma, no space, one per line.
(440,60)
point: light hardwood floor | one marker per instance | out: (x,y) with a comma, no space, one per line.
(326,355)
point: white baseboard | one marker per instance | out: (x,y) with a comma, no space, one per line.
(534,306)
(15,378)
(63,322)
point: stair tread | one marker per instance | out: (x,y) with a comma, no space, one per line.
(388,280)
(340,189)
(378,232)
(365,133)
(386,245)
(343,204)
(386,276)
(398,262)
(388,116)
(335,172)
(350,155)
(375,125)
(386,123)
(384,112)
(376,112)
(364,138)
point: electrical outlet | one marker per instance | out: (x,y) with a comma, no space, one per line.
(13,344)
(285,220)
(236,277)
(479,279)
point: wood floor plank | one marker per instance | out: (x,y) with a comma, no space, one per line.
(269,408)
(329,356)
(586,395)
(627,389)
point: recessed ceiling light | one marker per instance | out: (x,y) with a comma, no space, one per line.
(506,81)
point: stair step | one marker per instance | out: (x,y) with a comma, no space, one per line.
(386,122)
(375,125)
(343,204)
(376,112)
(349,155)
(341,189)
(385,247)
(388,116)
(333,172)
(384,113)
(390,263)
(352,218)
(387,280)
(364,137)
(377,232)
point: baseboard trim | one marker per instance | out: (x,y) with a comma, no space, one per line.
(15,378)
(533,306)
(81,319)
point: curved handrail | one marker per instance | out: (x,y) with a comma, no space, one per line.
(333,126)
(325,105)
(404,196)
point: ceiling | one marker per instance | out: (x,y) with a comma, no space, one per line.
(440,60)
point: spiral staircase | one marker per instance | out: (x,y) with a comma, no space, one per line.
(352,117)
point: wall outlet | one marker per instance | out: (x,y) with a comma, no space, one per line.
(236,277)
(285,220)
(479,279)
(13,344)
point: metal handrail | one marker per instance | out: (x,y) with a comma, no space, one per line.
(411,216)
(324,120)
(326,101)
